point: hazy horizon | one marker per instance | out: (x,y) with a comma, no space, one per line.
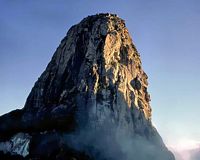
(166,35)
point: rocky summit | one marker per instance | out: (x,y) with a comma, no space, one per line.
(91,102)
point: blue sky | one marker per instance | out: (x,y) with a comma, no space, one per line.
(166,33)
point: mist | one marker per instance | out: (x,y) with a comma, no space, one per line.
(114,144)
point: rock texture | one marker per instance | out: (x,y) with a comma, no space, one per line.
(91,97)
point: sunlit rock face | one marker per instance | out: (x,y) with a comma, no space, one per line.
(91,102)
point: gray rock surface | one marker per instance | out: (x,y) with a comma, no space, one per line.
(94,82)
(17,145)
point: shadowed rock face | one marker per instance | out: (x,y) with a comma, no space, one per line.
(91,97)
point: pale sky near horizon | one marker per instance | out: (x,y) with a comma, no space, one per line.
(166,33)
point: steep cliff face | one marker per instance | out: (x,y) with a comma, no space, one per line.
(94,87)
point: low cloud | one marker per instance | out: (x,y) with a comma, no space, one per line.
(115,145)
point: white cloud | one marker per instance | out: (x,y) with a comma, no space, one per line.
(184,148)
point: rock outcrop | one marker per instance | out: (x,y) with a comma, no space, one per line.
(91,102)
